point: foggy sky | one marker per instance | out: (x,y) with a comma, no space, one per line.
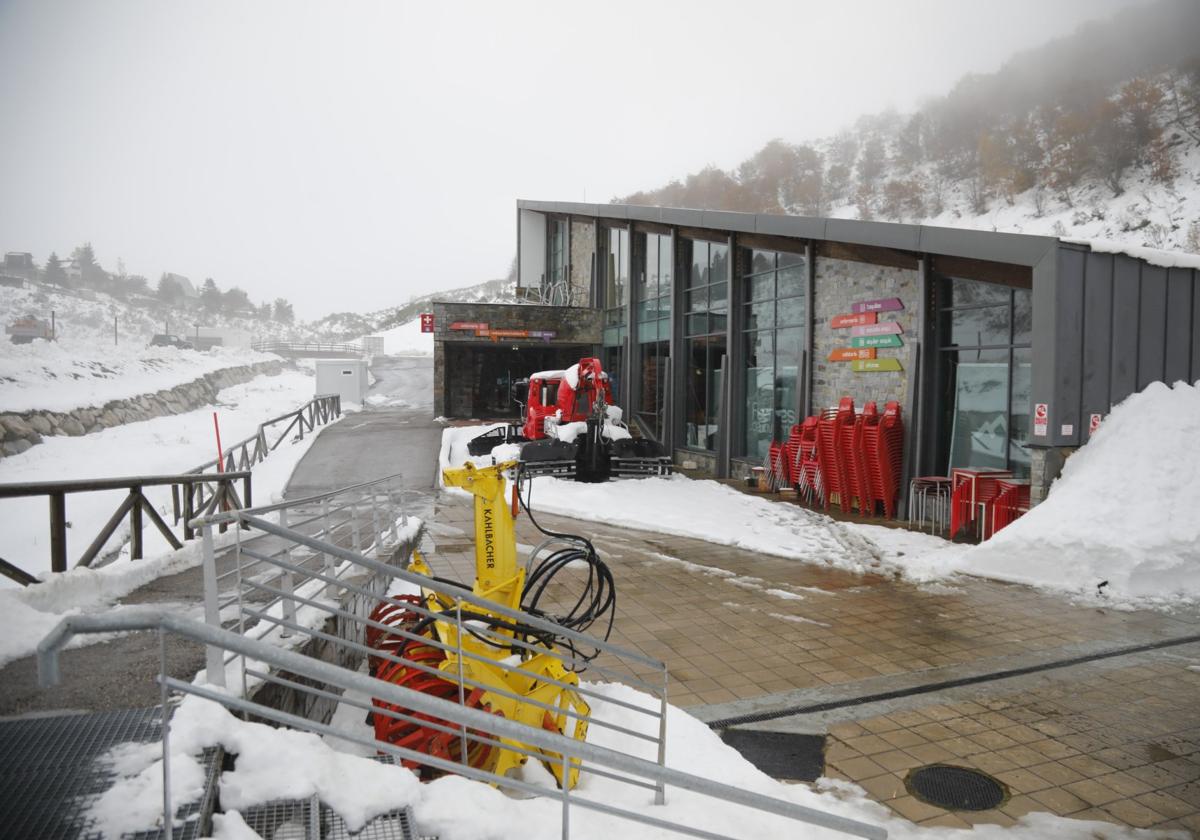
(349,155)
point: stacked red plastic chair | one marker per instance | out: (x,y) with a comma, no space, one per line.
(1010,504)
(776,467)
(829,457)
(883,453)
(790,454)
(807,472)
(850,443)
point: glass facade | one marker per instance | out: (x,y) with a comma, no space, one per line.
(654,265)
(616,301)
(556,263)
(775,307)
(706,303)
(985,331)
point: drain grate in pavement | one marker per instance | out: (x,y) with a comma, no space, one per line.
(781,755)
(955,788)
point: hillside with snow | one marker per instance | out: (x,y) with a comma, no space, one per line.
(1092,136)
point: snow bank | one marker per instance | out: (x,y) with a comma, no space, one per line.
(1154,256)
(28,614)
(705,510)
(1126,510)
(77,373)
(407,340)
(162,446)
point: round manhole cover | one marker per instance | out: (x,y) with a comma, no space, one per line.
(955,788)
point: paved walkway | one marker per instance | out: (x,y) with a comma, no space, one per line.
(1112,738)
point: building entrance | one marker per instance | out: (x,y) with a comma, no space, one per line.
(479,379)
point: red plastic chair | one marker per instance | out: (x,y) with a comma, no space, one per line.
(1010,504)
(829,454)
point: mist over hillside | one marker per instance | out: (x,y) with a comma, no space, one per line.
(1094,135)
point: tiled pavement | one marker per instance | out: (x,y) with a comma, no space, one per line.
(1117,739)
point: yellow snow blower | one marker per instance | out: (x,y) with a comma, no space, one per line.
(531,689)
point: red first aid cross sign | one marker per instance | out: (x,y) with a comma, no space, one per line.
(427,322)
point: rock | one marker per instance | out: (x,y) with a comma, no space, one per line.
(40,424)
(15,427)
(71,426)
(110,419)
(96,427)
(15,447)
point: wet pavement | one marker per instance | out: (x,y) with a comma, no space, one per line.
(1023,685)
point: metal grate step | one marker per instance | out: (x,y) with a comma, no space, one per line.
(49,772)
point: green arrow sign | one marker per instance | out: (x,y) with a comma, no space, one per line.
(876,341)
(874,365)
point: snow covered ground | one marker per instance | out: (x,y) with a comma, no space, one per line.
(407,340)
(162,446)
(1119,527)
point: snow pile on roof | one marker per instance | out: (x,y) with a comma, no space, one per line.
(705,510)
(407,340)
(1154,256)
(1125,511)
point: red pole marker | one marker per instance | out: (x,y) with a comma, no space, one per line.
(220,452)
(514,501)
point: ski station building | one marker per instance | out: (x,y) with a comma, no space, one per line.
(721,330)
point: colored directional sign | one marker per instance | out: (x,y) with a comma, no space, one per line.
(848,354)
(881,305)
(876,341)
(858,320)
(875,365)
(886,328)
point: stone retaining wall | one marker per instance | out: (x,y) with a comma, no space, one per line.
(21,430)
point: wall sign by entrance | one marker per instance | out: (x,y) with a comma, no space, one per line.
(886,328)
(840,321)
(496,335)
(1041,419)
(427,322)
(1094,424)
(471,326)
(849,354)
(881,305)
(876,341)
(875,365)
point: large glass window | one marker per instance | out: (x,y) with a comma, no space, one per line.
(775,307)
(616,300)
(706,298)
(556,263)
(984,331)
(654,263)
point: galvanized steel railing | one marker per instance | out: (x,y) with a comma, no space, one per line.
(596,760)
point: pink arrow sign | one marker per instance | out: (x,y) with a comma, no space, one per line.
(886,328)
(881,305)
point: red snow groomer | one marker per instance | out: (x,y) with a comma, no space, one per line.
(570,428)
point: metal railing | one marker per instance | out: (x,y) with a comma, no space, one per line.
(246,453)
(546,745)
(193,494)
(307,348)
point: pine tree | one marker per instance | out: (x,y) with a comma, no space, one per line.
(168,290)
(55,274)
(210,296)
(283,311)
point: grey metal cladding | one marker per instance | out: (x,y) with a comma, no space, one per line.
(1097,336)
(1126,291)
(1068,357)
(1014,248)
(1195,371)
(682,216)
(725,220)
(1152,325)
(878,234)
(1179,325)
(645,214)
(1042,385)
(803,227)
(578,209)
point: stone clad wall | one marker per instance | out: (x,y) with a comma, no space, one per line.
(583,250)
(23,430)
(839,284)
